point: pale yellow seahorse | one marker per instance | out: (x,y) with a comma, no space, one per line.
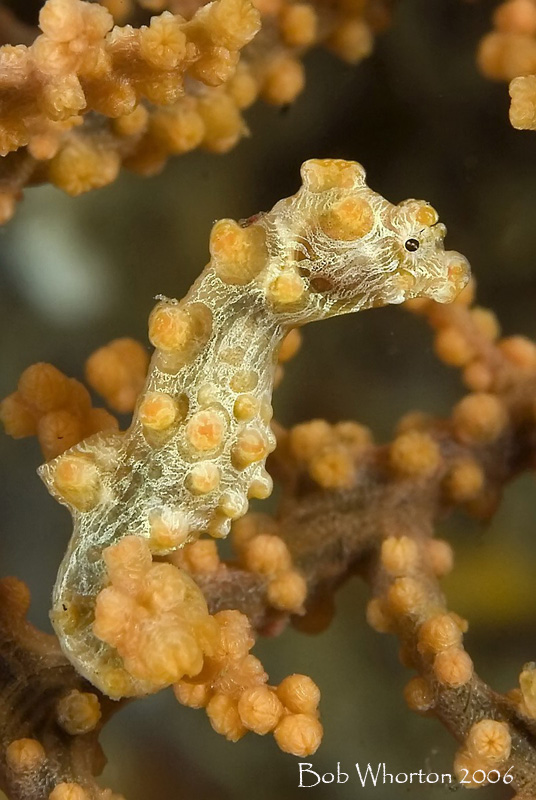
(196,448)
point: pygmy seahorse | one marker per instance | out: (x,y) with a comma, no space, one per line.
(200,435)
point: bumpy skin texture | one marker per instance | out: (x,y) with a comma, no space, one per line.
(200,435)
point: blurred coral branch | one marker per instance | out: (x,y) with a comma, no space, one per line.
(508,53)
(50,716)
(351,507)
(87,96)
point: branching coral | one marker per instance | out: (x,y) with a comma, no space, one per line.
(81,63)
(385,529)
(49,746)
(380,521)
(142,602)
(86,97)
(509,54)
(196,448)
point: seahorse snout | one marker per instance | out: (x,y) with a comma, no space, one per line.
(457,273)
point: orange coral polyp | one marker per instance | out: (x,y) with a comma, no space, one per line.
(154,615)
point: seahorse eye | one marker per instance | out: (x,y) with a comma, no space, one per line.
(412,245)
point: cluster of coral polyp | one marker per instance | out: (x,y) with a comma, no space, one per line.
(509,54)
(58,409)
(157,618)
(83,63)
(92,93)
(349,505)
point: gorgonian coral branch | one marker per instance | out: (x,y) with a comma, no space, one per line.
(508,53)
(397,495)
(82,63)
(352,507)
(381,506)
(50,716)
(196,448)
(155,90)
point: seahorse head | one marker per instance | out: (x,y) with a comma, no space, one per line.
(337,246)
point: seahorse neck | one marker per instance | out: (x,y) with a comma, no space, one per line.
(239,356)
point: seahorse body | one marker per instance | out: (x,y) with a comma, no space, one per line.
(200,435)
